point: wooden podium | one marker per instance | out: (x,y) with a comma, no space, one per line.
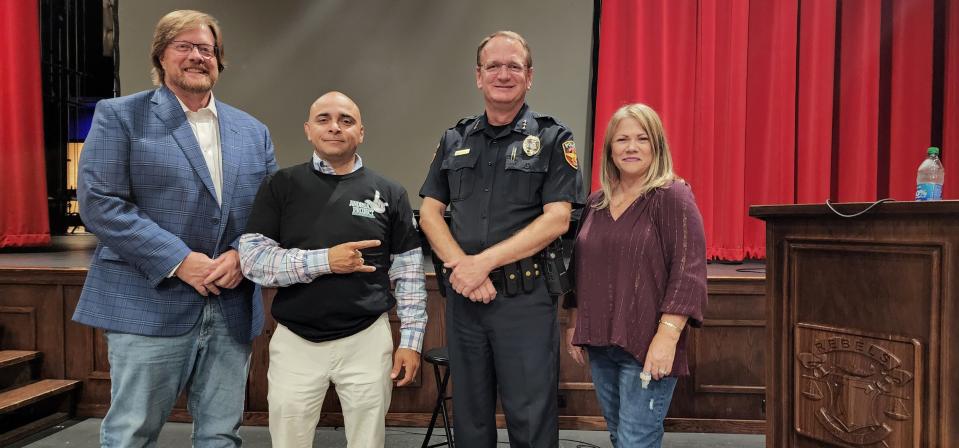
(863,325)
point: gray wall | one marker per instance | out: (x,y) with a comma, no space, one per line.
(409,64)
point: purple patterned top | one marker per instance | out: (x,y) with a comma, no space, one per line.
(629,271)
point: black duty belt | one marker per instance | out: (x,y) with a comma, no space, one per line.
(520,277)
(516,278)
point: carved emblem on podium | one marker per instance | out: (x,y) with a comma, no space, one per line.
(856,390)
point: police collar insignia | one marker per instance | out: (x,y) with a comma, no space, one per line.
(531,146)
(367,207)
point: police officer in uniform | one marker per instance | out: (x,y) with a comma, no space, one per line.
(510,178)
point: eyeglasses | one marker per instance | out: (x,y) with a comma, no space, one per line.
(207,51)
(495,67)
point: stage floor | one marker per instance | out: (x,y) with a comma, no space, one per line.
(65,252)
(85,433)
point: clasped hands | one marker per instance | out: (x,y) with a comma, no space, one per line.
(470,278)
(207,275)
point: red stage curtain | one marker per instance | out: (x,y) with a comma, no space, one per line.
(814,98)
(23,190)
(910,105)
(779,102)
(857,118)
(770,118)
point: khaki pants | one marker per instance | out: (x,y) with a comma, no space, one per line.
(300,374)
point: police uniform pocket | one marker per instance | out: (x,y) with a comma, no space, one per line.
(460,174)
(524,179)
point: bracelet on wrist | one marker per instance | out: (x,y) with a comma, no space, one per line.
(671,325)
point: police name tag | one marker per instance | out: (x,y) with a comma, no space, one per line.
(461,152)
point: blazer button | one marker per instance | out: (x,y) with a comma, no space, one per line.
(215,220)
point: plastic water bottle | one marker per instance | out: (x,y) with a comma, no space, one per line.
(929,178)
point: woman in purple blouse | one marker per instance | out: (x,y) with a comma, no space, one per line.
(640,267)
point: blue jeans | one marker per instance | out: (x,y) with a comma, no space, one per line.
(148,373)
(634,416)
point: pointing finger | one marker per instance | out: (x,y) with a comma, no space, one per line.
(365,244)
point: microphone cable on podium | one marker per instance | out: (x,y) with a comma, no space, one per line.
(829,204)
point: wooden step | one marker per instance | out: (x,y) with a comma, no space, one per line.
(19,397)
(14,357)
(6,438)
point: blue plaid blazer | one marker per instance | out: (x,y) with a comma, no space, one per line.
(146,193)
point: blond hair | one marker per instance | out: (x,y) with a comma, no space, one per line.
(175,23)
(660,172)
(509,35)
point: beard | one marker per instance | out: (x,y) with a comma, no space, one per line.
(203,85)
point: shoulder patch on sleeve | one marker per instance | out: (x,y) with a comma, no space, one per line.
(569,153)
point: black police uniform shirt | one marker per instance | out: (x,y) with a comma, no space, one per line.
(496,179)
(300,207)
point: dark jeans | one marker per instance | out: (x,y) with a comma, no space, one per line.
(634,415)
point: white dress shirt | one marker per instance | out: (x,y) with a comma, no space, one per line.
(206,128)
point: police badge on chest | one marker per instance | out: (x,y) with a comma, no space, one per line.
(531,148)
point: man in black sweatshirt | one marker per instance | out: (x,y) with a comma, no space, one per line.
(332,234)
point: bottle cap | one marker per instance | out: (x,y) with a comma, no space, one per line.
(933,151)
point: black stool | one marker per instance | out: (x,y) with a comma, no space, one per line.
(439,357)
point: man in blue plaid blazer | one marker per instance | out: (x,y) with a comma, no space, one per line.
(167,181)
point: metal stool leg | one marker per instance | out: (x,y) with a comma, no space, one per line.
(446,418)
(440,392)
(441,383)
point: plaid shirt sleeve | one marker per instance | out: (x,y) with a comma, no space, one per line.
(407,271)
(265,262)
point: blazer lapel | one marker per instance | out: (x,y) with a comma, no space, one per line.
(168,110)
(231,156)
